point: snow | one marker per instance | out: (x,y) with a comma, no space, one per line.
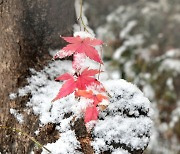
(78,61)
(120,151)
(115,74)
(170,64)
(129,96)
(148,91)
(119,52)
(12,96)
(130,25)
(66,144)
(169,83)
(175,115)
(115,126)
(132,41)
(83,34)
(17,115)
(128,69)
(62,53)
(172,53)
(126,119)
(43,88)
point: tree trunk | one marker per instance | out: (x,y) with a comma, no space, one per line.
(27,30)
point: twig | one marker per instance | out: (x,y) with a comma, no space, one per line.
(80,17)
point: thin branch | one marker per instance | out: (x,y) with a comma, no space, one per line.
(80,17)
(100,63)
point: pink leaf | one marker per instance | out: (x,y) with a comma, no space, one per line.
(86,78)
(91,114)
(79,82)
(66,89)
(72,39)
(93,54)
(81,45)
(65,76)
(93,42)
(71,47)
(90,72)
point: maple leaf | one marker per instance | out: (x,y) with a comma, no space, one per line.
(75,81)
(97,98)
(80,45)
(91,112)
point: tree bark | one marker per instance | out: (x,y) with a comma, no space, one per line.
(28,29)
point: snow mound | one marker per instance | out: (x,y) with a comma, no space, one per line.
(126,122)
(123,127)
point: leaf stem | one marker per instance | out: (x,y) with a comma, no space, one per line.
(100,63)
(80,17)
(25,134)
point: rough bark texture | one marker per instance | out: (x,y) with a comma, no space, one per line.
(27,30)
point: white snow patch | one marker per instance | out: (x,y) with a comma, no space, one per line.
(169,83)
(128,68)
(43,89)
(173,53)
(12,96)
(120,151)
(66,144)
(78,61)
(115,74)
(117,127)
(170,64)
(17,115)
(125,32)
(132,41)
(148,91)
(83,35)
(119,52)
(175,115)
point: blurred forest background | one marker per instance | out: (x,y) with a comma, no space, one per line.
(143,47)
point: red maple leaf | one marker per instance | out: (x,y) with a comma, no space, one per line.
(91,112)
(75,81)
(80,45)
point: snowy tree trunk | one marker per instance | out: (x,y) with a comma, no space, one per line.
(27,30)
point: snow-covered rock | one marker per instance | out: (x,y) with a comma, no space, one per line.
(126,122)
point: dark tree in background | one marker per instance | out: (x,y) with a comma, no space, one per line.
(27,30)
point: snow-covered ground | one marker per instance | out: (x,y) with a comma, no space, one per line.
(125,121)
